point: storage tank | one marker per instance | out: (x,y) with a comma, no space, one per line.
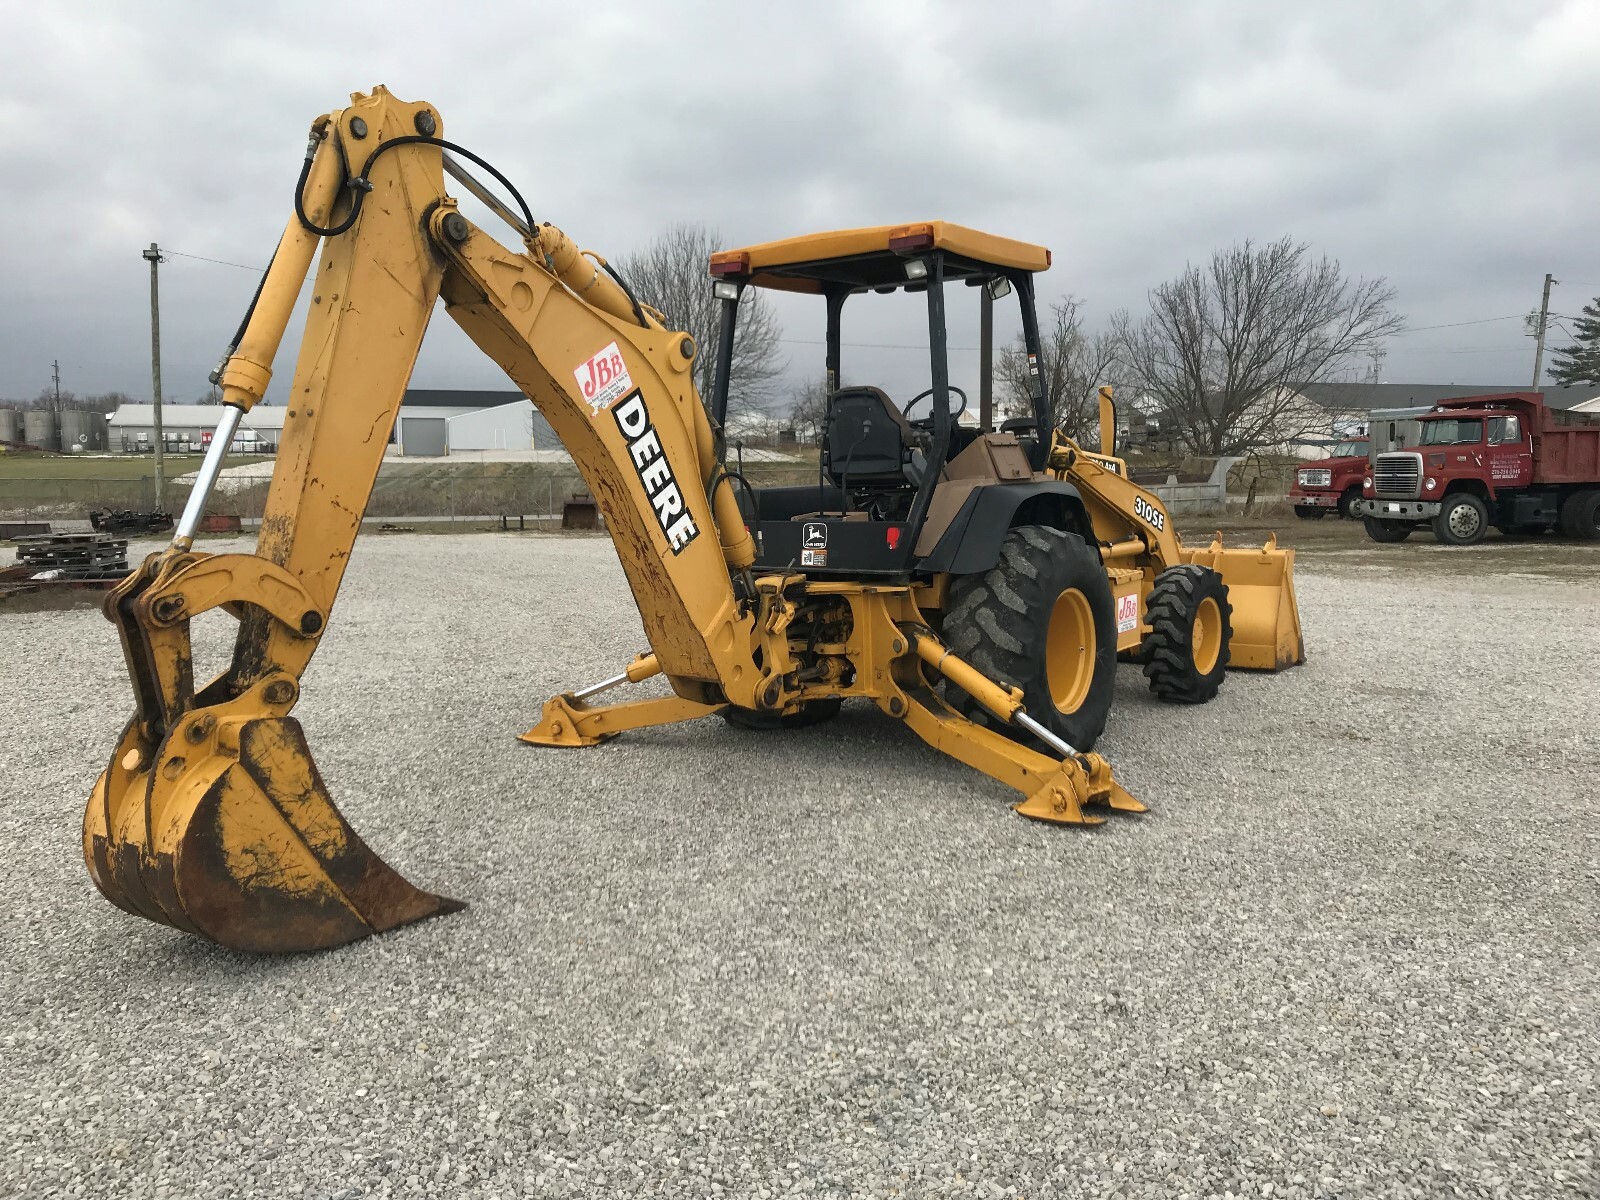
(39,428)
(10,425)
(83,431)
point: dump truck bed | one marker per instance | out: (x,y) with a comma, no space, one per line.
(1567,454)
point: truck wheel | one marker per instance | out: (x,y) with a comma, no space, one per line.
(1039,619)
(1462,521)
(1380,530)
(813,712)
(1191,624)
(1580,515)
(1348,502)
(1309,512)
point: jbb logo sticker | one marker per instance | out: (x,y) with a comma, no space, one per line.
(604,379)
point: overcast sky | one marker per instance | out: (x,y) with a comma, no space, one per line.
(1448,146)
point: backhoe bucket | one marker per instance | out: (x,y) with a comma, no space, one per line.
(1266,617)
(243,847)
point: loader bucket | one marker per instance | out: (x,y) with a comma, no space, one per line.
(243,847)
(1266,617)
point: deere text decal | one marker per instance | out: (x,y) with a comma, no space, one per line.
(654,472)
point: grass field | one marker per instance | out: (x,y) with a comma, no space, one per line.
(117,466)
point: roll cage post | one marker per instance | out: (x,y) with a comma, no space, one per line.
(1022,281)
(727,321)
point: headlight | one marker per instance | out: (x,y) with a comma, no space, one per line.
(1430,483)
(1366,484)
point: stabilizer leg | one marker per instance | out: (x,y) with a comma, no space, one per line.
(1055,790)
(568,721)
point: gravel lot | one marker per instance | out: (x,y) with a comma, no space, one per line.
(1351,952)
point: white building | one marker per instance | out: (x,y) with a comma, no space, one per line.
(433,423)
(187,427)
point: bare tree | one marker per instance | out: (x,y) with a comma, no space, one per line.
(1076,365)
(104,402)
(1227,346)
(672,275)
(808,410)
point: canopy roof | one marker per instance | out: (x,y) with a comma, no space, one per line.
(874,257)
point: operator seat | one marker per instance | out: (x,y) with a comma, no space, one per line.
(868,440)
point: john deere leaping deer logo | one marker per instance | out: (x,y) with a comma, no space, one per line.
(814,536)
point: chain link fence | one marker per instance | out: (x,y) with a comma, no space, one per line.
(443,491)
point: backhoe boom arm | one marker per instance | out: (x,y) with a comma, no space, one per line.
(211,815)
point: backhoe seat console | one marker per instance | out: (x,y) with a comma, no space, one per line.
(869,442)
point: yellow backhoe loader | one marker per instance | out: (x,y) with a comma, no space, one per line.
(765,606)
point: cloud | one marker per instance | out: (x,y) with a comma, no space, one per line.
(1443,146)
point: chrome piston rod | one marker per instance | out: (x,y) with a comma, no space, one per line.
(211,467)
(1044,735)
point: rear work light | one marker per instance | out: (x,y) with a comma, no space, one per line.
(911,237)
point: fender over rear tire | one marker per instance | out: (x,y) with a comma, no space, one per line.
(1191,625)
(1040,619)
(1380,530)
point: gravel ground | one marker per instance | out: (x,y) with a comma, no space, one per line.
(1351,952)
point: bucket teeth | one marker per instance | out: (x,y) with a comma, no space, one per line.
(248,851)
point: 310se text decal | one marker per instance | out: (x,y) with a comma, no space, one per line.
(655,472)
(1149,513)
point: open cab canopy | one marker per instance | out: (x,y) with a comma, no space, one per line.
(874,258)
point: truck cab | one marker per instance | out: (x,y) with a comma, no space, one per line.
(1505,461)
(1331,484)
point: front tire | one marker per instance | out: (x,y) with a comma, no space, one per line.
(1039,619)
(1462,521)
(1387,532)
(1348,502)
(1191,624)
(1309,512)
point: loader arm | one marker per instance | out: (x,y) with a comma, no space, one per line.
(1139,540)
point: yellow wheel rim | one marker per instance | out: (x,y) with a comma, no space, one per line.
(1207,640)
(1069,651)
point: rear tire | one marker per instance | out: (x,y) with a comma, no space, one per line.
(1380,530)
(1309,512)
(1039,619)
(812,712)
(1580,515)
(1462,521)
(1191,625)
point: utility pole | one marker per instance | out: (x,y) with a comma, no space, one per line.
(153,256)
(986,362)
(1544,323)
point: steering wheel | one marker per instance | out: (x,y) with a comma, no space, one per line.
(927,395)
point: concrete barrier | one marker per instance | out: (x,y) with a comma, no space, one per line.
(1193,496)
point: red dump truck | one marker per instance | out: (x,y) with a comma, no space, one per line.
(1331,484)
(1507,461)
